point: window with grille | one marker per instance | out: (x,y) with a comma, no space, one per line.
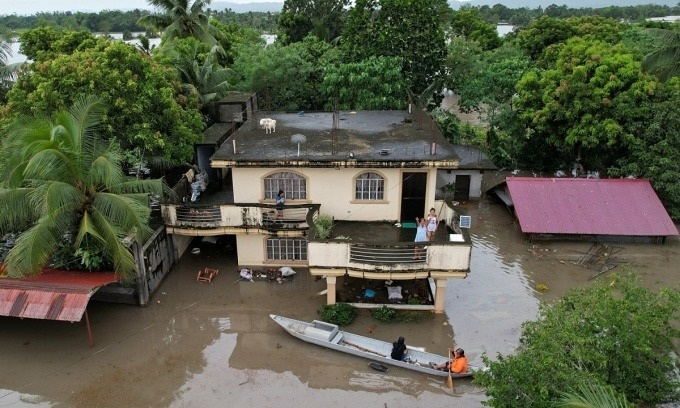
(291,249)
(294,186)
(370,186)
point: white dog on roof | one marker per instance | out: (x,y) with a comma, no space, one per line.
(268,124)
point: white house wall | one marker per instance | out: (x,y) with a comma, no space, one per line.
(334,190)
(250,249)
(444,178)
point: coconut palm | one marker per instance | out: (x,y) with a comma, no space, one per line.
(199,71)
(8,72)
(593,396)
(665,61)
(181,19)
(62,184)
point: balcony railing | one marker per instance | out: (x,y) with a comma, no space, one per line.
(235,216)
(449,256)
(387,255)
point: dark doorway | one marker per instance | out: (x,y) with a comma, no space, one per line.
(462,188)
(413,188)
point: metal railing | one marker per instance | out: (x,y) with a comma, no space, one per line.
(387,255)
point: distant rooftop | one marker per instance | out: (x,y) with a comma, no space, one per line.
(362,139)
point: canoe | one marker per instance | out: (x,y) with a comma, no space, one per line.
(330,336)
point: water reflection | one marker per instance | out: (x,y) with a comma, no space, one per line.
(488,308)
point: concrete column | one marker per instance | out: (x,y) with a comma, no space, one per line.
(440,295)
(330,287)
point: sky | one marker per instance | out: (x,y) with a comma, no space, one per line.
(32,6)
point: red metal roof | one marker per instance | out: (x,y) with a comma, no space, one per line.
(52,295)
(626,207)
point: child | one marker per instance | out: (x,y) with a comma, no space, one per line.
(432,223)
(421,234)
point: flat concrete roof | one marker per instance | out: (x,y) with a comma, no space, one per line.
(362,139)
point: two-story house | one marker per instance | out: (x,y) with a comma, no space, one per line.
(373,172)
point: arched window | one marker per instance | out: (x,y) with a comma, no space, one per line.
(293,185)
(369,186)
(289,249)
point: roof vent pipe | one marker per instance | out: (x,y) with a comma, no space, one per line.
(433,149)
(233,142)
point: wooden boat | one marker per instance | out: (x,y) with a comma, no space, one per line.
(330,336)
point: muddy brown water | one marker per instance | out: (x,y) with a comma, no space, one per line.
(213,345)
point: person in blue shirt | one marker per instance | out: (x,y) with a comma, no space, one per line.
(280,202)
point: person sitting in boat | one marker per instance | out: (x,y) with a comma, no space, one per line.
(399,350)
(457,365)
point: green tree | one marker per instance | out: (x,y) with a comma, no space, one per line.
(468,23)
(60,180)
(200,73)
(373,84)
(53,41)
(655,152)
(410,30)
(145,107)
(615,333)
(542,39)
(286,77)
(181,19)
(664,62)
(323,19)
(588,103)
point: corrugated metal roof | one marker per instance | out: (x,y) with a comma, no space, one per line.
(624,207)
(52,295)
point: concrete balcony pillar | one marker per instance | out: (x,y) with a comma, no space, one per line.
(330,287)
(440,295)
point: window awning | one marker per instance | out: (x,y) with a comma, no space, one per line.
(52,295)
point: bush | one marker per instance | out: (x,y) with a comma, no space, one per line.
(384,314)
(341,314)
(323,226)
(613,334)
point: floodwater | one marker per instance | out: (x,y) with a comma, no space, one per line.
(214,345)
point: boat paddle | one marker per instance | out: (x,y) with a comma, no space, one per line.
(449,381)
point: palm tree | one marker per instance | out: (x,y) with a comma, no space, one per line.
(593,396)
(200,73)
(665,61)
(61,184)
(8,72)
(182,19)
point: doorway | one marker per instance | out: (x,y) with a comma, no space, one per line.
(462,188)
(413,187)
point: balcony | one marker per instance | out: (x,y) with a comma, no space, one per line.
(383,250)
(220,219)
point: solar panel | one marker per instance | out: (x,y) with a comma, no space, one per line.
(465,221)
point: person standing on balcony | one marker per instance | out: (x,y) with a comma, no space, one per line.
(421,235)
(280,202)
(432,223)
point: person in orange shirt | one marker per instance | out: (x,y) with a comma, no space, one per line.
(457,365)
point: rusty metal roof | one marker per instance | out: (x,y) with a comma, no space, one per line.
(621,207)
(52,295)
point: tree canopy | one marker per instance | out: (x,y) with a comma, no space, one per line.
(615,334)
(410,30)
(145,107)
(323,19)
(63,187)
